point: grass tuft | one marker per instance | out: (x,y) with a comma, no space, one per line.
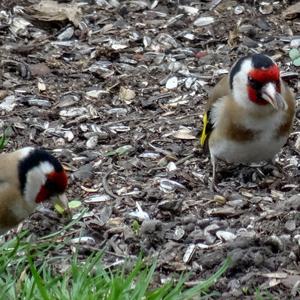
(33,271)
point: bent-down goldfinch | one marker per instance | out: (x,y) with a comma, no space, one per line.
(28,176)
(249,113)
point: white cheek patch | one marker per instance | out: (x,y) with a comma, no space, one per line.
(46,168)
(35,179)
(240,91)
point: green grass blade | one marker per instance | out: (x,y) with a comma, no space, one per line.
(38,280)
(204,286)
(143,282)
(73,222)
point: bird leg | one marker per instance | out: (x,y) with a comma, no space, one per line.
(213,186)
(213,162)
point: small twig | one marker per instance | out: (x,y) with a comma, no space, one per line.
(106,186)
(182,160)
(167,153)
(73,222)
(214,4)
(116,254)
(126,120)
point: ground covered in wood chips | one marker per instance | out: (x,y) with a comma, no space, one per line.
(116,89)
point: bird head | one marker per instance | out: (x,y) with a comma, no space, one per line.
(255,83)
(41,177)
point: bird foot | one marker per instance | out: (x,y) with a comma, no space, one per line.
(213,187)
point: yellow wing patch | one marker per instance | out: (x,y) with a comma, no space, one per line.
(204,133)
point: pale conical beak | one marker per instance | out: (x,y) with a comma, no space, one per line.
(270,94)
(62,201)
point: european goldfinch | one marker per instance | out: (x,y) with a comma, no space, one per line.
(28,176)
(249,114)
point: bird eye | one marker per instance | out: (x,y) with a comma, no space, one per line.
(254,83)
(251,80)
(50,187)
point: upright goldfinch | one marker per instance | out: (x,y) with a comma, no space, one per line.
(249,114)
(28,176)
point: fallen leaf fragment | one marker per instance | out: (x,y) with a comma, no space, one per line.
(74,204)
(292,11)
(48,10)
(184,134)
(127,95)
